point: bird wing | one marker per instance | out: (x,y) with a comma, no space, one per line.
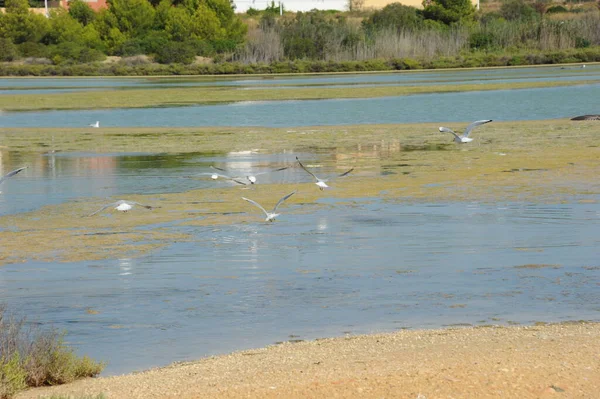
(103,208)
(475,124)
(307,171)
(346,173)
(283,199)
(256,204)
(448,130)
(137,203)
(11,173)
(235,179)
(270,171)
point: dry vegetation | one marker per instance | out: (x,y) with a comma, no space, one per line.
(32,357)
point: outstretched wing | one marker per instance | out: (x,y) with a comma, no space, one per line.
(346,173)
(475,124)
(283,199)
(137,203)
(217,168)
(271,171)
(448,130)
(307,171)
(103,208)
(11,173)
(234,179)
(256,204)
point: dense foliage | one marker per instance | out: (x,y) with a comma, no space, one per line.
(177,31)
(174,30)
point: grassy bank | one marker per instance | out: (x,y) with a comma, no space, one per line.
(475,59)
(545,161)
(183,96)
(31,357)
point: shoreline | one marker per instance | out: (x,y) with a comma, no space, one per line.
(493,361)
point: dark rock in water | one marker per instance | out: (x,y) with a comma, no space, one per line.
(586,118)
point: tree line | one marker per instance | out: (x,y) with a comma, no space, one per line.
(176,31)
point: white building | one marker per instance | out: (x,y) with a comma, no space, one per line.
(293,5)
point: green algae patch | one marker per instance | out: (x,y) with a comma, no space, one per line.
(549,162)
(184,96)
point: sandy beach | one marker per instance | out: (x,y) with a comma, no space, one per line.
(542,361)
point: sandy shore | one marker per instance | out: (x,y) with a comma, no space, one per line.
(559,360)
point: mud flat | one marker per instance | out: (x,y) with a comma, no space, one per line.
(543,161)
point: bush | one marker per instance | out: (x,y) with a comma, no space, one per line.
(252,12)
(556,9)
(176,52)
(8,51)
(31,357)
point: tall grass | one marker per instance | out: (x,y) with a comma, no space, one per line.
(346,41)
(32,357)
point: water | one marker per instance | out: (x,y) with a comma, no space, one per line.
(318,271)
(525,104)
(366,267)
(55,178)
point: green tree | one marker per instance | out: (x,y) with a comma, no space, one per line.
(449,12)
(133,17)
(82,12)
(513,10)
(396,16)
(19,25)
(178,23)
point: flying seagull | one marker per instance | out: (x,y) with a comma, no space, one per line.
(321,182)
(270,215)
(11,174)
(252,177)
(121,205)
(97,124)
(464,138)
(215,176)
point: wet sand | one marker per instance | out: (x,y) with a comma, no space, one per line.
(545,361)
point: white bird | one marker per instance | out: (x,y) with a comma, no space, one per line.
(270,215)
(216,176)
(252,177)
(464,138)
(121,205)
(97,124)
(11,174)
(321,182)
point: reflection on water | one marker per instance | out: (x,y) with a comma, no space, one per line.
(369,266)
(54,178)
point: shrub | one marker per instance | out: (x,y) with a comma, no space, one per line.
(8,51)
(32,357)
(175,52)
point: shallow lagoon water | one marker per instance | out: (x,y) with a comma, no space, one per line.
(362,267)
(523,104)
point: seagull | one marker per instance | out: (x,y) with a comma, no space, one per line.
(252,178)
(321,182)
(97,124)
(215,176)
(11,174)
(270,215)
(464,138)
(121,205)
